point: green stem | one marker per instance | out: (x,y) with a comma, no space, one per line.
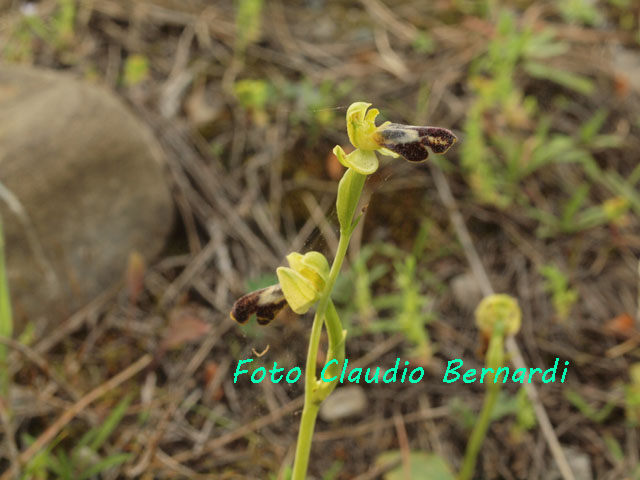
(315,391)
(303,448)
(6,323)
(323,303)
(479,431)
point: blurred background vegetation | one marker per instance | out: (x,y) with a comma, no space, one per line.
(247,99)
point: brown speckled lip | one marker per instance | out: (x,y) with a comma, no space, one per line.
(266,303)
(266,313)
(438,139)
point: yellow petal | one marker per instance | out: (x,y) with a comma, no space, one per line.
(364,162)
(298,291)
(388,153)
(313,266)
(295,260)
(355,117)
(361,126)
(316,269)
(371,115)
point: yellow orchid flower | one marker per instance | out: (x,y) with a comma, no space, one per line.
(391,139)
(299,287)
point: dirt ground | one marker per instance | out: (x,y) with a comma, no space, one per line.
(537,199)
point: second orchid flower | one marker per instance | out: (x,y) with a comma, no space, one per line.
(391,139)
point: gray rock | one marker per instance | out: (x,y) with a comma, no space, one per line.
(343,403)
(466,291)
(82,185)
(579,463)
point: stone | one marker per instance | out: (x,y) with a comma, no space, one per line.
(82,186)
(344,402)
(466,291)
(579,463)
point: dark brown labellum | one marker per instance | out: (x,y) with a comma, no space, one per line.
(411,142)
(266,303)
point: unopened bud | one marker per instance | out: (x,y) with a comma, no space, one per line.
(498,309)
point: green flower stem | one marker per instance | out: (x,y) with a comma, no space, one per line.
(315,390)
(6,324)
(482,425)
(311,404)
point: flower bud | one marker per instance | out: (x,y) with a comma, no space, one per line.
(498,310)
(349,191)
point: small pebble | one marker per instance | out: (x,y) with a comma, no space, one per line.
(343,403)
(466,291)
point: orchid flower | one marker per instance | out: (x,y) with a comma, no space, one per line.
(299,287)
(390,139)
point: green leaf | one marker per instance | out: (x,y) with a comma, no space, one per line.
(557,283)
(63,22)
(506,405)
(37,466)
(253,93)
(580,11)
(607,141)
(424,43)
(136,70)
(422,465)
(575,203)
(105,464)
(248,23)
(591,127)
(462,413)
(566,79)
(111,422)
(525,414)
(61,465)
(614,447)
(587,410)
(334,471)
(544,44)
